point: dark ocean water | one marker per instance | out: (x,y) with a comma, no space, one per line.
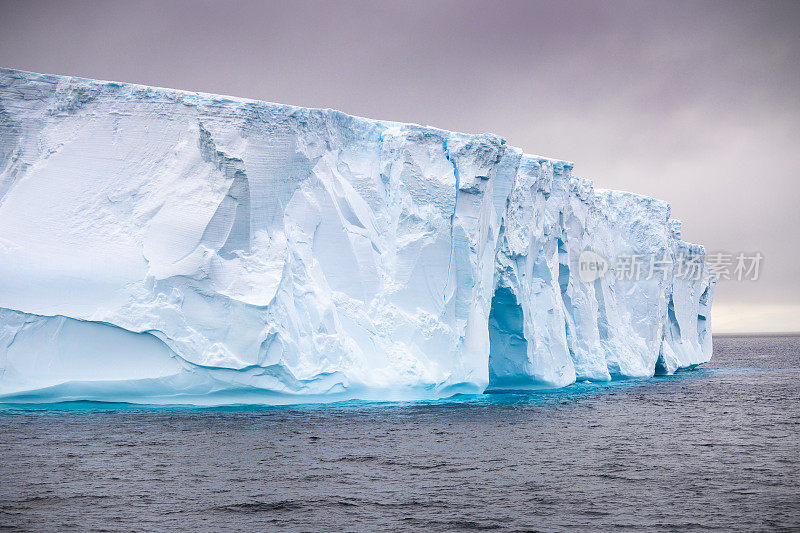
(714,448)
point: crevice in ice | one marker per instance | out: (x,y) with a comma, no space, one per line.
(702,320)
(602,319)
(702,328)
(661,365)
(563,283)
(446,149)
(541,270)
(508,348)
(239,235)
(229,229)
(675,327)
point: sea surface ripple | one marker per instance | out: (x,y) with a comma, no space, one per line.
(716,448)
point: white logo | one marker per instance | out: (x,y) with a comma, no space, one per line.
(591,266)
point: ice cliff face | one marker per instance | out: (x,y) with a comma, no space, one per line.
(173,247)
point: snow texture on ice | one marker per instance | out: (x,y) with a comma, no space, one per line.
(173,247)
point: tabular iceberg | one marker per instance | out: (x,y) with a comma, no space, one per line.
(164,246)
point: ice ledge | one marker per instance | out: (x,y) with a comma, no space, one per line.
(304,253)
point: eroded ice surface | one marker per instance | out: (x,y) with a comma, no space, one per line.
(166,246)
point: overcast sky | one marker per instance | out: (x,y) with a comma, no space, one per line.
(696,103)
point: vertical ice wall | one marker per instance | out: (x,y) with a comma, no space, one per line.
(165,246)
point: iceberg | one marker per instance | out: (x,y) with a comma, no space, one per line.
(170,247)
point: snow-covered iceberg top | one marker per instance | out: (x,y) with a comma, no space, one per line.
(165,246)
